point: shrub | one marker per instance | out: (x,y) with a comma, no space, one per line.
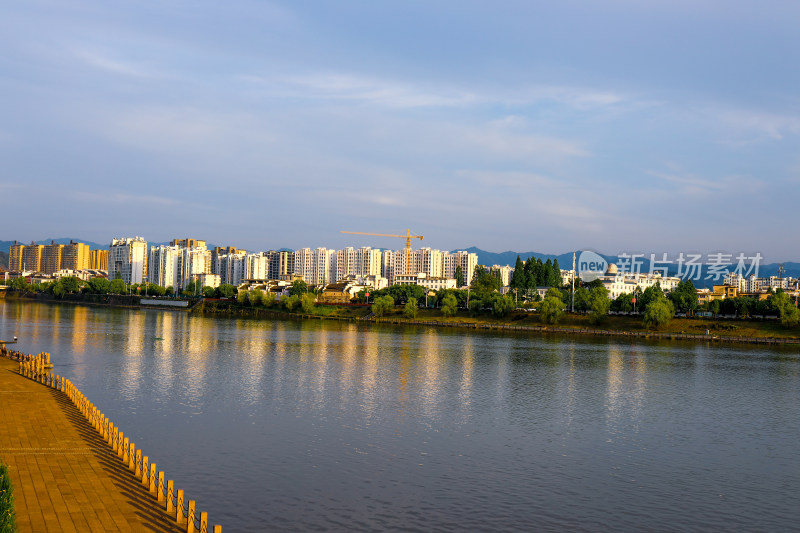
(411,308)
(7,515)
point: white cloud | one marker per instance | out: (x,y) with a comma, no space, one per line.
(105,62)
(326,86)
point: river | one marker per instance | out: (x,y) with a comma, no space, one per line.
(312,425)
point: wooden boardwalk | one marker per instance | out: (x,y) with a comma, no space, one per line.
(66,477)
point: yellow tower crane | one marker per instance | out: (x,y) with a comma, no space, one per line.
(407,237)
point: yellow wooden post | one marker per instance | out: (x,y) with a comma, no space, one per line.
(170,494)
(120,444)
(203,522)
(179,508)
(190,520)
(145,473)
(217,529)
(138,465)
(126,446)
(160,488)
(131,460)
(152,487)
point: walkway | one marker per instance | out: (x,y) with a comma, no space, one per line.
(66,478)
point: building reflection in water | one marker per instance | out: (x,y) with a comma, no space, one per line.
(626,385)
(465,389)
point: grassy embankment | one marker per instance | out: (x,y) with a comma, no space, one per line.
(7,516)
(615,323)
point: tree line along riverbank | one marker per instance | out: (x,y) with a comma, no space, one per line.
(768,330)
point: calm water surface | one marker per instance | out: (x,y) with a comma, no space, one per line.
(302,426)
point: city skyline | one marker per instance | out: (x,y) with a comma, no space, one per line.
(663,127)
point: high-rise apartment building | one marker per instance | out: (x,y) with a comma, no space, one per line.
(230,267)
(32,257)
(162,266)
(176,265)
(345,263)
(15,256)
(75,256)
(128,258)
(466,260)
(316,266)
(256,266)
(98,259)
(51,257)
(222,250)
(281,264)
(368,262)
(188,243)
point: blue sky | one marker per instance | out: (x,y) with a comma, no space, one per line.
(622,125)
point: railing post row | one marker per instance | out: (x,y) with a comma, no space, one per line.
(173,501)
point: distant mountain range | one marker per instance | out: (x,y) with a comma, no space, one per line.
(791,269)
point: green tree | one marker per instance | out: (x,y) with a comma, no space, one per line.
(99,285)
(714,307)
(72,284)
(209,292)
(502,305)
(684,297)
(226,291)
(519,282)
(475,306)
(599,304)
(552,307)
(307,303)
(257,297)
(291,302)
(117,286)
(449,305)
(623,303)
(554,279)
(243,297)
(658,313)
(299,287)
(19,284)
(269,299)
(484,281)
(459,275)
(581,299)
(193,287)
(411,308)
(57,289)
(787,312)
(650,294)
(382,305)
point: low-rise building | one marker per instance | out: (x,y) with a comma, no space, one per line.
(422,279)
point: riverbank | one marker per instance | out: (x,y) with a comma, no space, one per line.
(750,331)
(630,326)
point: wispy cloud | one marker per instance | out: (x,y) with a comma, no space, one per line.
(689,185)
(120,198)
(409,94)
(106,62)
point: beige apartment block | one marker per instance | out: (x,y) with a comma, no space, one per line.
(98,259)
(15,256)
(32,257)
(75,256)
(51,257)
